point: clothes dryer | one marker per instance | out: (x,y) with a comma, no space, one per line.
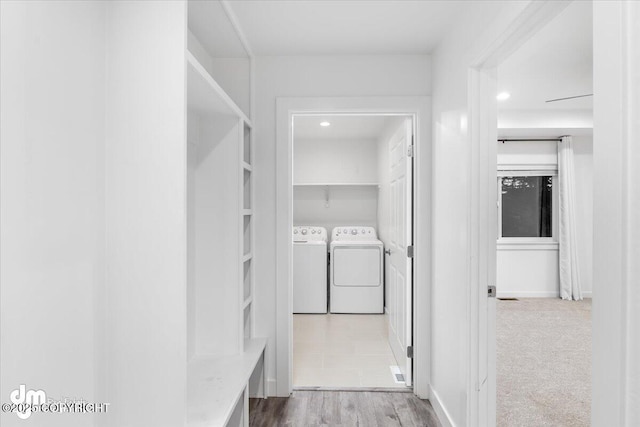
(356,277)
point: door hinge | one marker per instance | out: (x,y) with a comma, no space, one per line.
(410,150)
(410,251)
(491,292)
(410,352)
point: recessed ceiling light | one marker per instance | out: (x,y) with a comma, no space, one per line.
(325,124)
(502,96)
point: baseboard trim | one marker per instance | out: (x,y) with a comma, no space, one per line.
(438,407)
(529,294)
(536,294)
(356,389)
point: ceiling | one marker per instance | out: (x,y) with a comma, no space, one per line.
(556,62)
(342,127)
(330,27)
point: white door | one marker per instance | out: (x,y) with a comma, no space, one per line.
(399,264)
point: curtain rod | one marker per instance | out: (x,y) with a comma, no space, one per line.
(503,140)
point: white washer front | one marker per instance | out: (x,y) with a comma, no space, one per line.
(309,269)
(356,277)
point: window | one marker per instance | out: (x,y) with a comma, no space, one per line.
(526,206)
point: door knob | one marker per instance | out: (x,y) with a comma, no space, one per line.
(387,251)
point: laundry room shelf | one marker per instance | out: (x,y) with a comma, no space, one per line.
(247,212)
(247,166)
(204,94)
(336,184)
(247,257)
(215,384)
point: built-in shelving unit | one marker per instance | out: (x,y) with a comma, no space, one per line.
(204,95)
(226,360)
(247,230)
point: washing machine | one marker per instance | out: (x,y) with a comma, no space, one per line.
(309,269)
(356,278)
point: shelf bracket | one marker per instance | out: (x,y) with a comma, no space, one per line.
(326,196)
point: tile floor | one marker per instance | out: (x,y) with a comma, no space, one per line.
(342,350)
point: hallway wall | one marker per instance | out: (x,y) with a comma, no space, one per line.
(52,201)
(326,76)
(616,224)
(473,34)
(146,198)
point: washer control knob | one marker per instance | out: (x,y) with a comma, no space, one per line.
(304,231)
(295,231)
(354,231)
(362,231)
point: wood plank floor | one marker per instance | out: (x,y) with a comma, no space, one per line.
(342,409)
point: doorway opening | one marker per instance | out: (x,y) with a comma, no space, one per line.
(545,225)
(352,227)
(417,326)
(492,123)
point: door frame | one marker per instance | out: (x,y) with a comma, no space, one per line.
(483,133)
(419,108)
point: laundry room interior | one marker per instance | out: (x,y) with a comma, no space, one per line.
(341,196)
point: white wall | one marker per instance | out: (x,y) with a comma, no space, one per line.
(335,161)
(616,242)
(52,201)
(310,76)
(475,30)
(217,249)
(527,153)
(146,162)
(347,205)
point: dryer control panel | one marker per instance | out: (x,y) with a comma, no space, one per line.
(353,233)
(307,233)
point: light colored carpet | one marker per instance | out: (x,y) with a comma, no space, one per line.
(543,362)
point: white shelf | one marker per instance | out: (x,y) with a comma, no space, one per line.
(335,184)
(215,384)
(204,94)
(247,212)
(247,257)
(247,166)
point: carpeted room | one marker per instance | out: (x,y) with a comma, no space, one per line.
(543,362)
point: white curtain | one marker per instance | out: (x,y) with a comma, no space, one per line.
(569,277)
